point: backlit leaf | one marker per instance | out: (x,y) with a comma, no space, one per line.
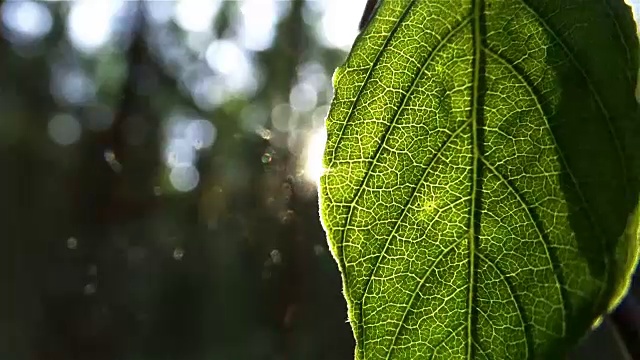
(481,172)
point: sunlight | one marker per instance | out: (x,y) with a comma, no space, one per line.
(256,28)
(313,167)
(195,15)
(339,25)
(26,20)
(90,23)
(635,7)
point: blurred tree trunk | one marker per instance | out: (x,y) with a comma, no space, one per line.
(29,193)
(113,187)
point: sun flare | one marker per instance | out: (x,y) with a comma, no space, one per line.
(314,152)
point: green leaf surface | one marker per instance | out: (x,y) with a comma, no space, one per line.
(481,172)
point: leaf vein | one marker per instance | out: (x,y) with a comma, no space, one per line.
(392,124)
(411,197)
(384,46)
(415,292)
(560,155)
(444,341)
(513,297)
(592,89)
(539,231)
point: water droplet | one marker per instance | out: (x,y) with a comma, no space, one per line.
(303,97)
(281,115)
(178,253)
(64,129)
(287,191)
(110,157)
(179,152)
(200,133)
(264,133)
(276,257)
(72,243)
(271,201)
(90,289)
(286,216)
(184,178)
(266,158)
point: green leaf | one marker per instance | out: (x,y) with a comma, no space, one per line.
(481,171)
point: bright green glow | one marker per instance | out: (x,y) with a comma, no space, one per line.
(480,170)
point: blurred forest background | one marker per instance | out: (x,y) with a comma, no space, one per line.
(158,171)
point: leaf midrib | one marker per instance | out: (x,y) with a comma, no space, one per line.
(477,53)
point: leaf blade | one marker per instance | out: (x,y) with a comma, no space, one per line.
(394,195)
